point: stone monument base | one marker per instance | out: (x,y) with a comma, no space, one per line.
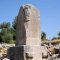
(24,53)
(16,53)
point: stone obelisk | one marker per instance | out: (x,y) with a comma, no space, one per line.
(28,37)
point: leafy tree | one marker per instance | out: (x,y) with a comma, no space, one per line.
(7,38)
(14,23)
(13,29)
(5,25)
(54,38)
(1,38)
(5,33)
(0,26)
(59,34)
(43,36)
(13,32)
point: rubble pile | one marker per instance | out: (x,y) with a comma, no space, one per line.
(3,50)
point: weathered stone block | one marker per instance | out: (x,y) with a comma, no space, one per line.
(16,53)
(24,53)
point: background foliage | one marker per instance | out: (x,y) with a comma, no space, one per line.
(8,32)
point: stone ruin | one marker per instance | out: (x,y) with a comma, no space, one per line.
(28,37)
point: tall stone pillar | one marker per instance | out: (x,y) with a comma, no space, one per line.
(28,35)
